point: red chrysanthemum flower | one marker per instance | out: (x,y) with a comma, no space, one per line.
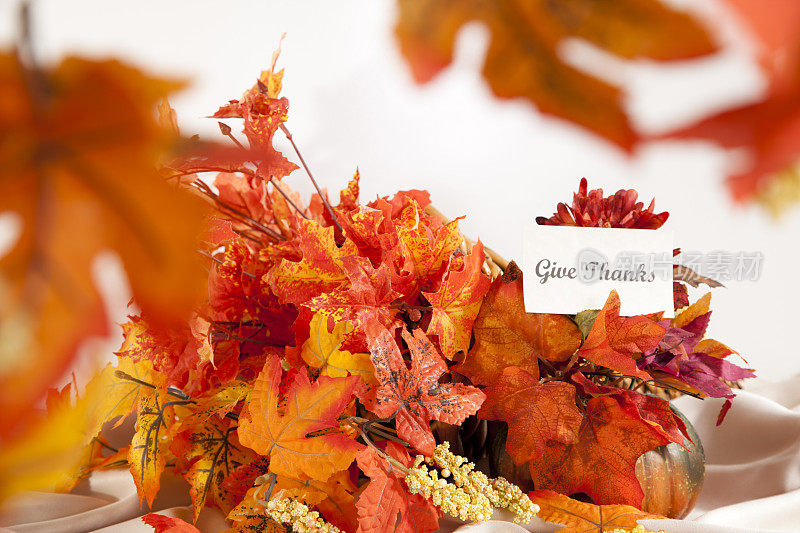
(618,211)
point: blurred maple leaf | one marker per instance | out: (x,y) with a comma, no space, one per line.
(505,335)
(524,53)
(770,128)
(414,396)
(49,449)
(79,149)
(386,496)
(280,432)
(581,517)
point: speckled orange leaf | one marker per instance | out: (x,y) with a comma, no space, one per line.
(505,335)
(581,517)
(613,341)
(280,432)
(415,396)
(524,58)
(147,454)
(319,271)
(211,447)
(457,302)
(426,249)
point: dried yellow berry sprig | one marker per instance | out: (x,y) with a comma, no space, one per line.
(471,493)
(298,515)
(470,496)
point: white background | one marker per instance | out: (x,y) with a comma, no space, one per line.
(353,103)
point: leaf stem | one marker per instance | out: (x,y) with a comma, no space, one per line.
(311,176)
(391,460)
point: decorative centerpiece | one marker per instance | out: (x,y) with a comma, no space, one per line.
(365,367)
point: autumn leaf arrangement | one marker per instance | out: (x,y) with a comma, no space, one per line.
(353,363)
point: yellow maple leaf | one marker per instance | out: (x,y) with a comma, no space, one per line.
(323,351)
(117,390)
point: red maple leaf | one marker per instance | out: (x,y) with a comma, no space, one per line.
(386,496)
(414,396)
(168,524)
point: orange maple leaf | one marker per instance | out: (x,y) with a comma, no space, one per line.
(386,496)
(426,250)
(538,414)
(456,304)
(505,335)
(319,271)
(581,517)
(614,341)
(602,461)
(523,57)
(79,151)
(281,432)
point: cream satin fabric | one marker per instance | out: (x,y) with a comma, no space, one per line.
(752,481)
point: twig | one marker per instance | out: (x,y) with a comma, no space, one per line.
(220,262)
(302,213)
(311,176)
(391,460)
(205,189)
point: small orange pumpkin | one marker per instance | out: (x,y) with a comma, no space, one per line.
(672,476)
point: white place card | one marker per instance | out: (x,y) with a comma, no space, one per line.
(570,269)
